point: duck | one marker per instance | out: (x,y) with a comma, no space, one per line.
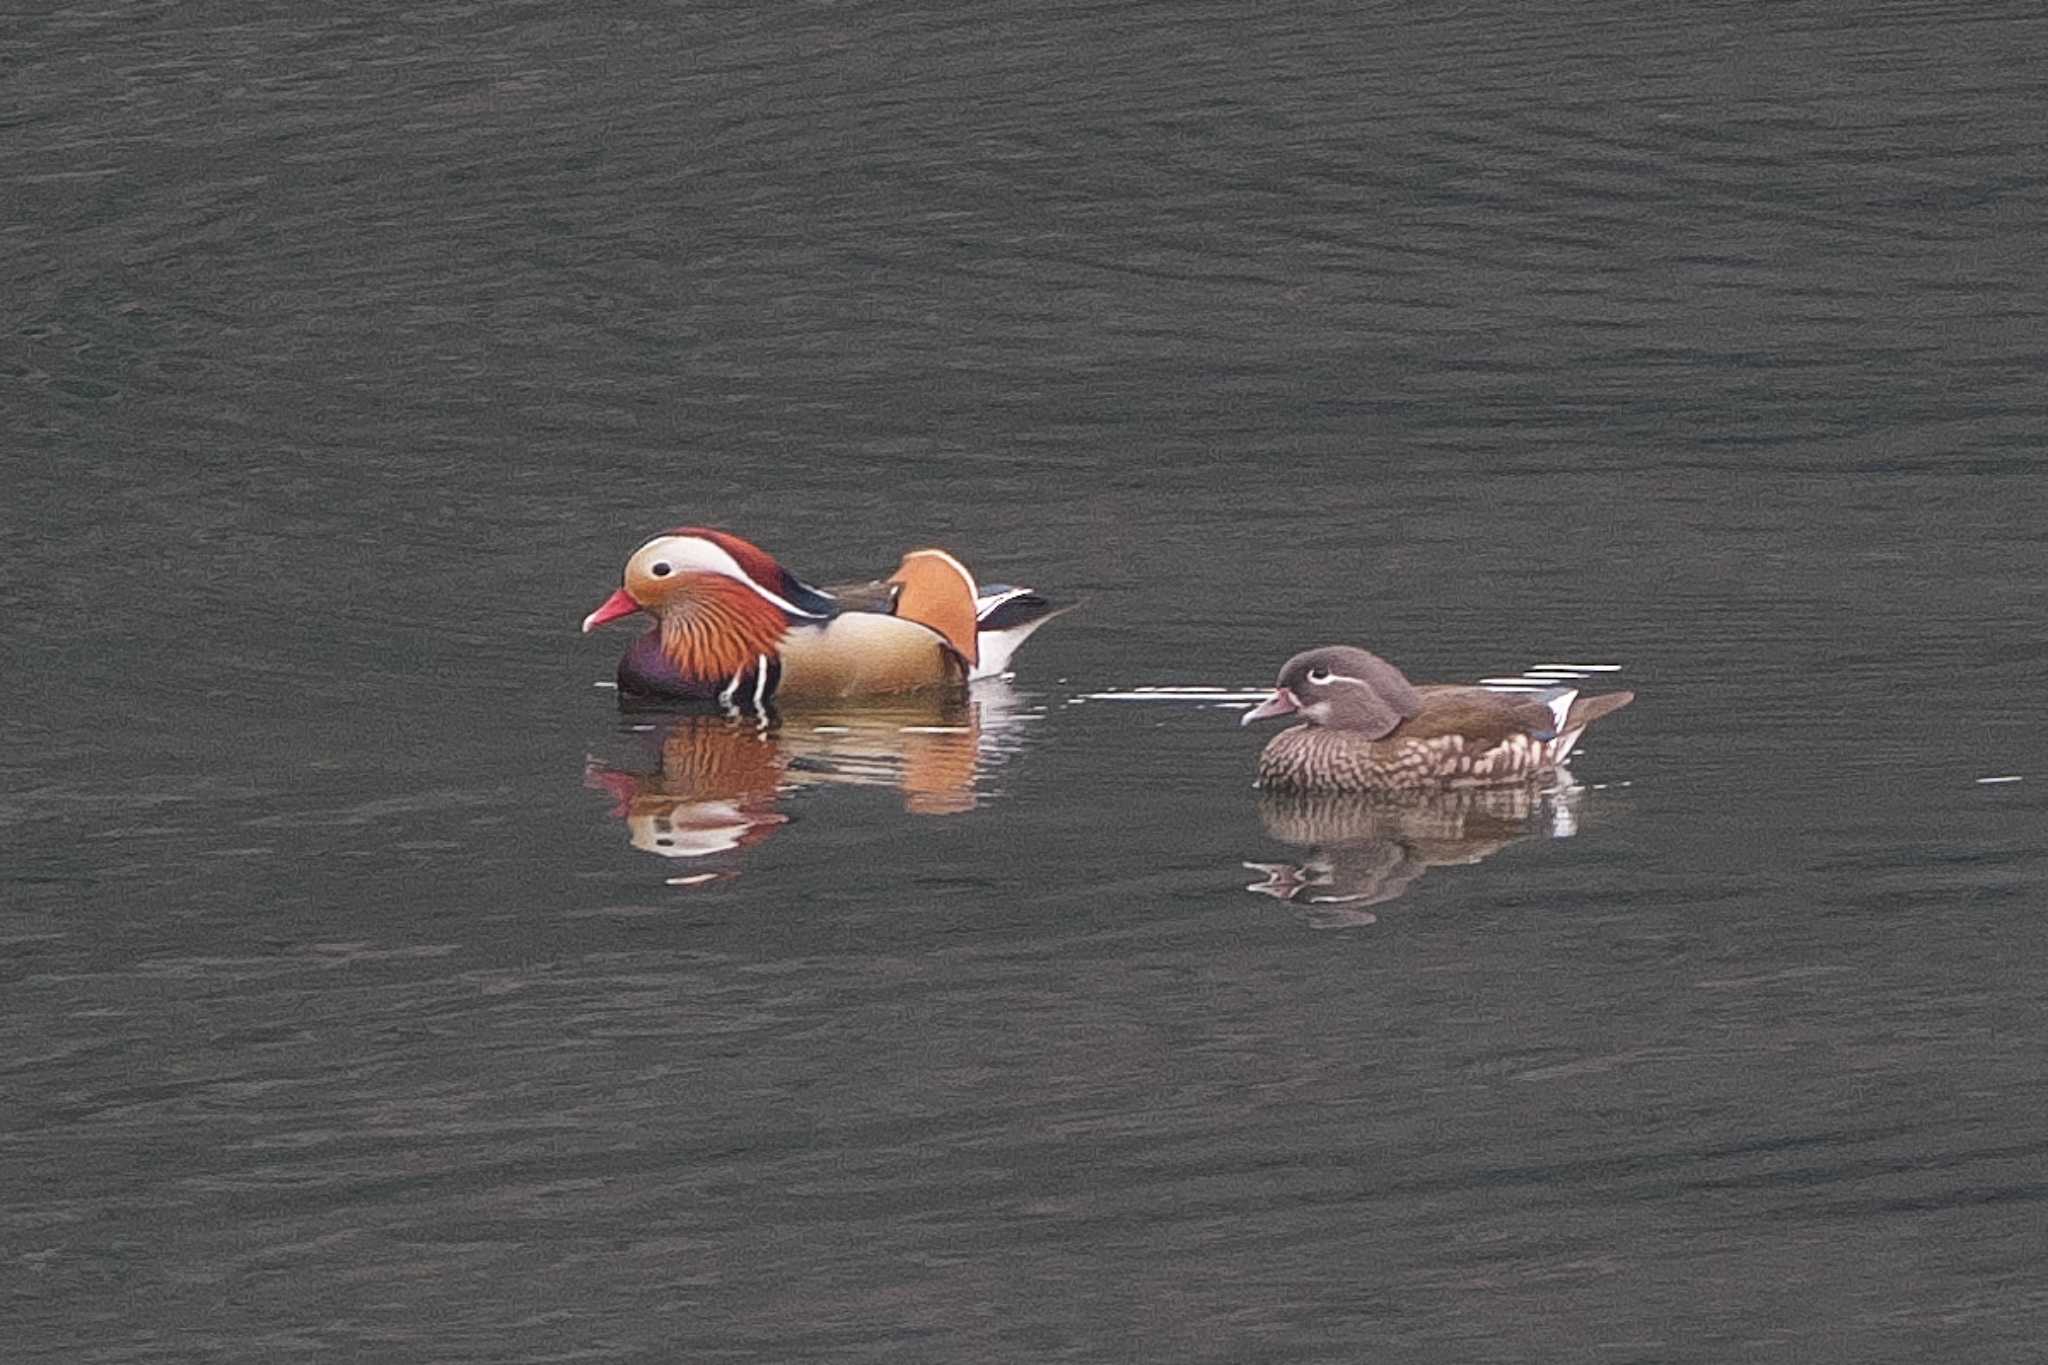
(733,628)
(1366,728)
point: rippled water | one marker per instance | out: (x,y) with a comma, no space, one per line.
(354,1006)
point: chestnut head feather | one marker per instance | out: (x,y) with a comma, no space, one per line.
(721,604)
(666,568)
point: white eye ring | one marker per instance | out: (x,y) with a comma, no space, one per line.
(1319,675)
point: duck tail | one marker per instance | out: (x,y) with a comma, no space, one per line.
(1583,712)
(1559,702)
(1007,616)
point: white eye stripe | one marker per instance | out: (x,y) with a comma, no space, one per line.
(694,552)
(1320,676)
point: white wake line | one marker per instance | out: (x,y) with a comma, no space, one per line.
(1540,678)
(1214,696)
(1182,690)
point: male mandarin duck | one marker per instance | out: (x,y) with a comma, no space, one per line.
(1368,729)
(733,627)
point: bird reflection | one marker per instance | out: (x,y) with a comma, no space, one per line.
(1370,849)
(720,781)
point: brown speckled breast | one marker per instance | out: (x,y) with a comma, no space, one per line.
(1305,758)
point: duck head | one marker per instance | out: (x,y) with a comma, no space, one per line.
(717,601)
(1341,688)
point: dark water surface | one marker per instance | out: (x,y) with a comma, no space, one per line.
(350,1011)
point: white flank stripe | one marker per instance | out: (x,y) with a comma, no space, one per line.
(1994,781)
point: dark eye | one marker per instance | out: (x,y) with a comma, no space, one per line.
(660,568)
(1319,675)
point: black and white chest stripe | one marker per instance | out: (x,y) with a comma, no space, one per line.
(752,687)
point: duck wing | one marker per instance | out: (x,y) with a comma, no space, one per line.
(1482,716)
(877,594)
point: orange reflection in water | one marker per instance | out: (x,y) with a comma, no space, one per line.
(720,781)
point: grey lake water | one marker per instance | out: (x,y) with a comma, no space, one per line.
(372,988)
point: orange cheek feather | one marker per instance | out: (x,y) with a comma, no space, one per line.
(713,628)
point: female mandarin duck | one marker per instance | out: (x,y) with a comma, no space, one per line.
(1368,729)
(732,626)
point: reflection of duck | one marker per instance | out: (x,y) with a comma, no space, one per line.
(735,628)
(721,779)
(1370,848)
(1367,728)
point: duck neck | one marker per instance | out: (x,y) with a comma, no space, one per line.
(718,629)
